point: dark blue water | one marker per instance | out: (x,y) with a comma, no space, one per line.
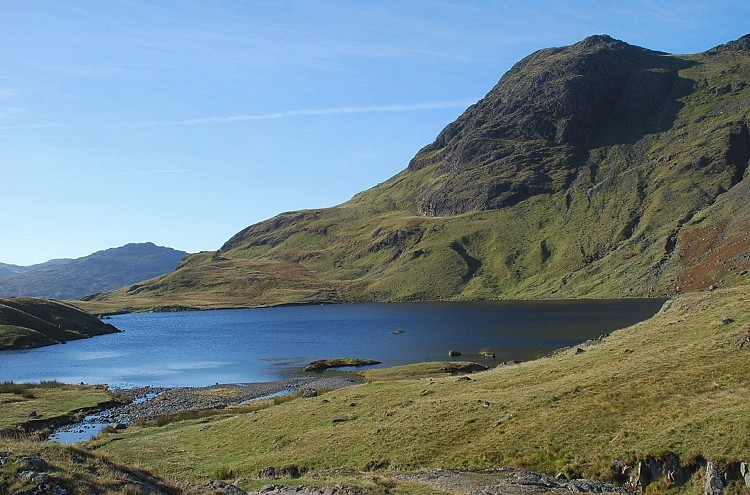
(248,345)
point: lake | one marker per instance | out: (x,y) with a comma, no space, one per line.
(198,348)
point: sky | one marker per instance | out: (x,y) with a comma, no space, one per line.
(182,122)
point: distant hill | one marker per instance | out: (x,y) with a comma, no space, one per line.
(599,169)
(29,322)
(7,270)
(99,272)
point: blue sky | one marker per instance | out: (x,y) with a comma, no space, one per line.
(182,122)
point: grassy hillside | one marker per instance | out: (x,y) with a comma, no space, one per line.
(595,170)
(29,465)
(26,404)
(675,384)
(31,322)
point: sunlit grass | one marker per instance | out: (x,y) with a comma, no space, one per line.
(21,403)
(675,383)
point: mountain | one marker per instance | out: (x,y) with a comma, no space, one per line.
(7,270)
(30,322)
(98,272)
(599,169)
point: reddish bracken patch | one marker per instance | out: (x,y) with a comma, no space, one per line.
(713,254)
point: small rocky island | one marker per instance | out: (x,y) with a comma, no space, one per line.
(27,322)
(324,364)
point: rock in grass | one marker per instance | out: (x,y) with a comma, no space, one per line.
(714,479)
(325,364)
(340,418)
(743,341)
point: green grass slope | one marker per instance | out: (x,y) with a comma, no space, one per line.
(675,384)
(32,322)
(30,465)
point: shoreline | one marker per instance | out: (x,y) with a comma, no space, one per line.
(177,308)
(148,403)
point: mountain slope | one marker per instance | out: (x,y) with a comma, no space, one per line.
(596,169)
(98,272)
(7,270)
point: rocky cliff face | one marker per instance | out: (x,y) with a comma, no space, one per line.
(532,133)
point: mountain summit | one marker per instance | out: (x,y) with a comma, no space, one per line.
(532,133)
(599,169)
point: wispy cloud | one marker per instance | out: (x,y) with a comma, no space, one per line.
(408,107)
(149,172)
(27,126)
(81,70)
(6,112)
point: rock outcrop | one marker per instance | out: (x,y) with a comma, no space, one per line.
(669,470)
(531,133)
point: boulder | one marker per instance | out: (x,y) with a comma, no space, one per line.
(743,341)
(714,479)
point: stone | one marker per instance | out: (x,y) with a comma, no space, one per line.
(671,467)
(454,353)
(33,476)
(227,488)
(714,479)
(646,471)
(745,473)
(340,418)
(31,463)
(743,341)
